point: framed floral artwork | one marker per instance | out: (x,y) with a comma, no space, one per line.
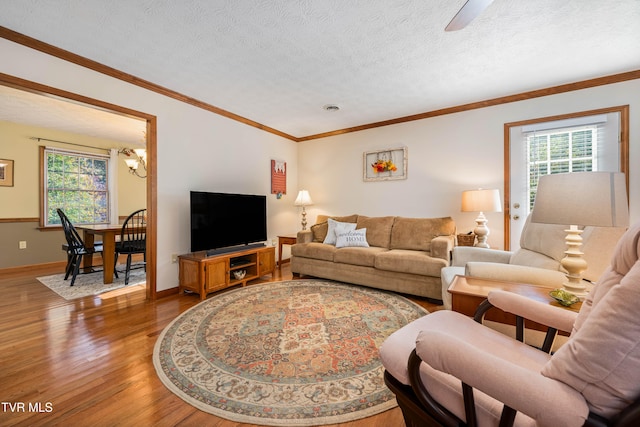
(6,173)
(385,165)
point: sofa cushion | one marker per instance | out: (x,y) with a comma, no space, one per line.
(547,239)
(516,273)
(378,229)
(446,276)
(410,261)
(354,238)
(530,258)
(319,231)
(336,228)
(417,233)
(314,250)
(358,256)
(320,228)
(594,239)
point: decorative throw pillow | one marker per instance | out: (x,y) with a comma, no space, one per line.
(354,238)
(335,228)
(319,231)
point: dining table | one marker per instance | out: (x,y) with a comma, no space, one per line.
(108,232)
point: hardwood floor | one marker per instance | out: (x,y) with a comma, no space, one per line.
(88,362)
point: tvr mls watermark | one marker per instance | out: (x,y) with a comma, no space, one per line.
(42,407)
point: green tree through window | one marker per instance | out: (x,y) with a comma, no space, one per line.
(77,183)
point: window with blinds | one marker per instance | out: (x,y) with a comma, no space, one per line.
(560,151)
(78,184)
(596,140)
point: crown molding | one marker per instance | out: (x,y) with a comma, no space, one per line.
(112,72)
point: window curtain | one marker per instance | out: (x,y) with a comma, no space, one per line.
(113,186)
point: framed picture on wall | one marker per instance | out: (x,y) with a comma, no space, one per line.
(6,173)
(278,177)
(385,165)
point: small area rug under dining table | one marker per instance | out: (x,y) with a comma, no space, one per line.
(293,353)
(90,284)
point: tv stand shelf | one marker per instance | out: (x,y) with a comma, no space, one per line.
(204,274)
(241,265)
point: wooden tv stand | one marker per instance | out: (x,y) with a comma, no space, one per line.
(204,274)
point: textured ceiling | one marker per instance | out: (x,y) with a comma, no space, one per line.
(277,62)
(24,107)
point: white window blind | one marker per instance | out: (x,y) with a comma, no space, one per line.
(575,145)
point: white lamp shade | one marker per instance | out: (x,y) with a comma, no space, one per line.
(303,199)
(582,198)
(131,163)
(481,201)
(142,153)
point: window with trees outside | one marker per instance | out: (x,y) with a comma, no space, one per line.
(77,183)
(560,151)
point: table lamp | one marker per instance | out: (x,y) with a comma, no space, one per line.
(481,201)
(580,199)
(303,199)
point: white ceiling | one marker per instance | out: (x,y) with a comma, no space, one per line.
(277,62)
(24,107)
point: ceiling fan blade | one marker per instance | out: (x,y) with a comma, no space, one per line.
(468,12)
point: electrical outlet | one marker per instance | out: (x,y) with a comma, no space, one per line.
(273,242)
(22,244)
(174,258)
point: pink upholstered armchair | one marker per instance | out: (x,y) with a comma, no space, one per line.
(447,369)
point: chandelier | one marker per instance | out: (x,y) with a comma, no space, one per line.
(139,159)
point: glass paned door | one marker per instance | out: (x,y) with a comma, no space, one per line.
(588,142)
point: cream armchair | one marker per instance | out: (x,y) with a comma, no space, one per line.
(537,262)
(447,369)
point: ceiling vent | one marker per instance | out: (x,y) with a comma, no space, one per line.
(330,107)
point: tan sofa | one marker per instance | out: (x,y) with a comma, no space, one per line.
(404,255)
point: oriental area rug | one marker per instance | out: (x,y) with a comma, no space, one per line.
(90,284)
(293,353)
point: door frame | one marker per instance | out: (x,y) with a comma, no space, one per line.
(152,177)
(623,110)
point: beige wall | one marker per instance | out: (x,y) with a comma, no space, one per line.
(42,246)
(198,150)
(23,200)
(447,154)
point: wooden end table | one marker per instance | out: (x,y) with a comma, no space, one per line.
(468,292)
(284,240)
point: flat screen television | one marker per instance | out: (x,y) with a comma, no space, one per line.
(221,221)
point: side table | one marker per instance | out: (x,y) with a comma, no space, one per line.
(468,292)
(284,240)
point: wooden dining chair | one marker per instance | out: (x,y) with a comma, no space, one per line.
(133,240)
(75,248)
